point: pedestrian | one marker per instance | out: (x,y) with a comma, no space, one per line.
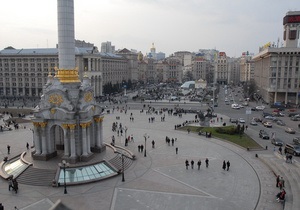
(192,164)
(228,165)
(113,139)
(10,184)
(188,130)
(199,164)
(281,183)
(8,149)
(153,144)
(139,148)
(15,185)
(27,146)
(280,150)
(206,162)
(176,149)
(277,180)
(172,142)
(187,164)
(1,206)
(224,165)
(142,148)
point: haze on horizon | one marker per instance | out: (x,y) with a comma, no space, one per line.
(232,26)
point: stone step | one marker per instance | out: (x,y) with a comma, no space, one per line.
(117,162)
(290,174)
(37,177)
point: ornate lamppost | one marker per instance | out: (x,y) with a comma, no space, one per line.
(146,137)
(123,176)
(64,165)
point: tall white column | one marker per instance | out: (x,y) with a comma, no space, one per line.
(44,141)
(66,141)
(84,141)
(66,39)
(72,139)
(36,139)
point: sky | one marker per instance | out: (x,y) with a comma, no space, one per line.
(231,26)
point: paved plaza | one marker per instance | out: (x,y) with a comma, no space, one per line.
(160,180)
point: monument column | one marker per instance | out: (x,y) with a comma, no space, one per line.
(84,140)
(66,141)
(101,132)
(98,135)
(89,137)
(72,140)
(36,137)
(44,142)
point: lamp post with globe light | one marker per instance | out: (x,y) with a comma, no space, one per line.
(146,137)
(64,164)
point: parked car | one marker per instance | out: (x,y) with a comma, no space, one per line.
(269,117)
(263,134)
(257,119)
(280,122)
(296,140)
(290,130)
(260,108)
(268,124)
(295,118)
(233,120)
(277,142)
(291,114)
(241,120)
(295,150)
(253,122)
(265,114)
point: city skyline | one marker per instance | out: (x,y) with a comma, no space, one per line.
(233,26)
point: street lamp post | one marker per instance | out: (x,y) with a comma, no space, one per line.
(123,177)
(64,165)
(125,135)
(145,136)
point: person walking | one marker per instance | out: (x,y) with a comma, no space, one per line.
(224,165)
(27,146)
(192,164)
(199,164)
(228,165)
(281,183)
(142,148)
(187,164)
(277,180)
(1,206)
(139,148)
(8,149)
(176,149)
(206,162)
(280,150)
(153,144)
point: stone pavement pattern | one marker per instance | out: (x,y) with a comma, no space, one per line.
(160,180)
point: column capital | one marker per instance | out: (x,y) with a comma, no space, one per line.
(84,125)
(98,119)
(72,126)
(43,124)
(36,124)
(65,126)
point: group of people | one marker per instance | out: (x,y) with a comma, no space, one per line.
(280,183)
(187,164)
(13,184)
(226,165)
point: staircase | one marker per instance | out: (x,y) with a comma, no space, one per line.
(291,175)
(37,177)
(117,162)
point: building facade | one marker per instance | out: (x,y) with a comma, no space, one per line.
(276,71)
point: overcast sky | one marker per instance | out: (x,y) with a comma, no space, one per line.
(233,26)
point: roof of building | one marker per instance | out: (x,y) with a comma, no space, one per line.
(54,51)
